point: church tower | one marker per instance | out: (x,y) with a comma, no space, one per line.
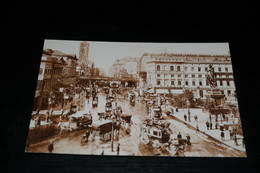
(83,52)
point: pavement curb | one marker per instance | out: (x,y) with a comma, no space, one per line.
(209,136)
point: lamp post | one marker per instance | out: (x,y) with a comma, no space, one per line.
(113,118)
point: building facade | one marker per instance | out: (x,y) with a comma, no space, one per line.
(127,66)
(57,70)
(174,73)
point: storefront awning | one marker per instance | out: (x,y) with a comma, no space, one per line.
(162,91)
(150,90)
(176,91)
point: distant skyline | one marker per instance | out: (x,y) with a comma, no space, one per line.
(104,54)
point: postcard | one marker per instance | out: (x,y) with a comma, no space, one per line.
(136,99)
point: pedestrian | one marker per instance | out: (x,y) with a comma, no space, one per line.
(231,134)
(179,137)
(207,125)
(87,135)
(177,110)
(235,139)
(188,139)
(210,125)
(50,147)
(46,117)
(185,117)
(221,127)
(216,125)
(102,153)
(222,134)
(197,128)
(196,118)
(38,121)
(243,142)
(189,115)
(118,148)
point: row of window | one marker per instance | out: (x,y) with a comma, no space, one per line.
(193,83)
(193,76)
(158,68)
(199,69)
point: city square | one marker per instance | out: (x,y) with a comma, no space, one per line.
(158,104)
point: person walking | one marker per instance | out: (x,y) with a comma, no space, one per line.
(231,134)
(216,125)
(47,116)
(207,125)
(188,139)
(235,139)
(118,148)
(189,115)
(61,114)
(103,152)
(38,121)
(222,134)
(196,118)
(50,147)
(210,125)
(185,117)
(179,136)
(87,135)
(197,128)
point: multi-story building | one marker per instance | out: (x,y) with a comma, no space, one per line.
(57,70)
(68,76)
(174,73)
(127,66)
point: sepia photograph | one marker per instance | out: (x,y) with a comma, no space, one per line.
(136,99)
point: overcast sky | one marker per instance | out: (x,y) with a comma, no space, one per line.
(105,53)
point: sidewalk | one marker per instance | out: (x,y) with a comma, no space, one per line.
(203,117)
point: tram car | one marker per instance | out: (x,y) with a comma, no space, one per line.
(77,121)
(156,133)
(85,120)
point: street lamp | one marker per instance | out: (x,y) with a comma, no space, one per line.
(113,118)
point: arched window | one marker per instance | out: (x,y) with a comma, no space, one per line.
(178,68)
(158,68)
(172,68)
